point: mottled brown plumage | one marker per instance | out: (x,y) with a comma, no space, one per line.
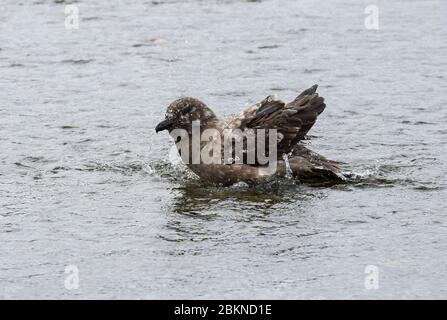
(292,122)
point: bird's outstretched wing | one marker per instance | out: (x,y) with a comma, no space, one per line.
(292,120)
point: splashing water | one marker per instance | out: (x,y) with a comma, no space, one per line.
(289,172)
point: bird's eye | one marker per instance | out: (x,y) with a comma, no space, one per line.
(186,109)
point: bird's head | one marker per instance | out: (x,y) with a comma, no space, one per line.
(182,112)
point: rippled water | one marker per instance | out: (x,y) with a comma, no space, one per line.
(85,181)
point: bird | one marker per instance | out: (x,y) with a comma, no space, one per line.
(291,122)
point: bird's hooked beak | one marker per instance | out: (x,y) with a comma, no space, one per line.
(164,125)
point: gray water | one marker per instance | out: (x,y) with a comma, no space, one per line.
(84,180)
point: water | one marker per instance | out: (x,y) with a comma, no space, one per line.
(85,181)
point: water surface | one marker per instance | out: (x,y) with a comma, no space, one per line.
(85,181)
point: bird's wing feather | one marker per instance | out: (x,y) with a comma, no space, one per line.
(292,121)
